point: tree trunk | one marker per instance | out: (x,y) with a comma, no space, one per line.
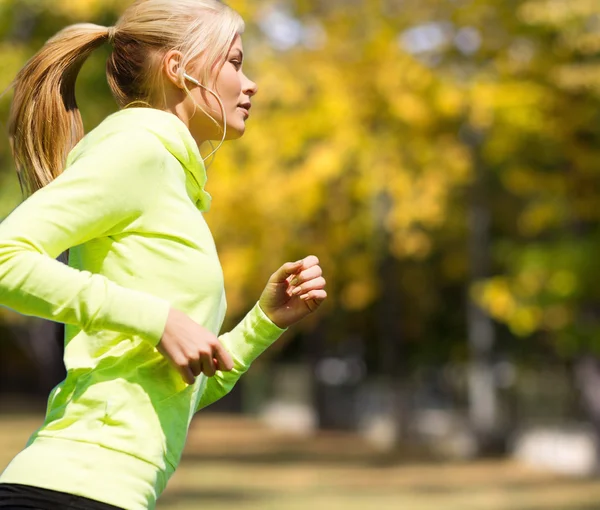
(483,404)
(392,363)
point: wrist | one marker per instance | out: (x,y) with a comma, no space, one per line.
(272,317)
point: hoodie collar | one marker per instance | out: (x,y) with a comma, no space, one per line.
(178,140)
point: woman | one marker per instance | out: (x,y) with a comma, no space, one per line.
(142,297)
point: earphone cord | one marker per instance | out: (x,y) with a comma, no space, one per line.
(196,82)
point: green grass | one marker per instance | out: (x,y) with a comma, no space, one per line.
(233,462)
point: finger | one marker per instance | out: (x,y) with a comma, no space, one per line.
(284,272)
(318,296)
(224,359)
(208,367)
(310,261)
(315,284)
(306,275)
(195,367)
(187,375)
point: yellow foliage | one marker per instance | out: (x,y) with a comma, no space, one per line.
(450,101)
(83,10)
(496,297)
(481,106)
(245,7)
(563,283)
(540,216)
(411,244)
(526,320)
(529,283)
(582,42)
(12,57)
(514,300)
(556,12)
(410,108)
(358,294)
(520,181)
(578,77)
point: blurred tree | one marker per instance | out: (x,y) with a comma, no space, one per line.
(532,74)
(355,153)
(550,170)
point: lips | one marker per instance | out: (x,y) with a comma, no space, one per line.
(246,107)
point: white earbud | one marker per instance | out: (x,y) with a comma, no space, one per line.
(193,80)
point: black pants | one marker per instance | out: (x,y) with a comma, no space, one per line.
(25,497)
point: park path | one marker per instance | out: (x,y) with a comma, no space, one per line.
(234,462)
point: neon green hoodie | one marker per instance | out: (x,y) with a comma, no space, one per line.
(129,206)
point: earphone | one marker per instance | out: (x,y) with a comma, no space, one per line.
(193,80)
(196,82)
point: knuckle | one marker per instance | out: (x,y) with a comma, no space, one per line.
(204,353)
(181,362)
(192,355)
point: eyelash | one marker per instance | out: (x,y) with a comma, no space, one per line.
(237,64)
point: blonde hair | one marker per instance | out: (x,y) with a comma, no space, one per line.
(45,123)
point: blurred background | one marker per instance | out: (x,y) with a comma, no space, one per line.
(442,159)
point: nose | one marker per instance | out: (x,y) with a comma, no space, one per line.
(249,87)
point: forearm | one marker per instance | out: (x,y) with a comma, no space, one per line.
(246,342)
(35,284)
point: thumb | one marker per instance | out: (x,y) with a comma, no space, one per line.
(288,269)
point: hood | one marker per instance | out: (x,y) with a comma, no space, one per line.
(176,138)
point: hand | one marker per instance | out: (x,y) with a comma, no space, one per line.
(191,348)
(293,291)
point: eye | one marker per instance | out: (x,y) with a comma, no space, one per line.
(236,63)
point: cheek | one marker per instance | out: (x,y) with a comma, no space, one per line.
(230,85)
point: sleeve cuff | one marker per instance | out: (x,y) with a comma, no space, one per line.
(251,337)
(264,325)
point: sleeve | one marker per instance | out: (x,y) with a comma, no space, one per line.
(246,342)
(107,187)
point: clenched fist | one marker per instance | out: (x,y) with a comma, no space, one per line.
(191,348)
(293,291)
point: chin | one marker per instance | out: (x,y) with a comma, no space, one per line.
(235,132)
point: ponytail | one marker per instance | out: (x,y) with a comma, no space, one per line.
(45,123)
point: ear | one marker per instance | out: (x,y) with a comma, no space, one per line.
(171,66)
